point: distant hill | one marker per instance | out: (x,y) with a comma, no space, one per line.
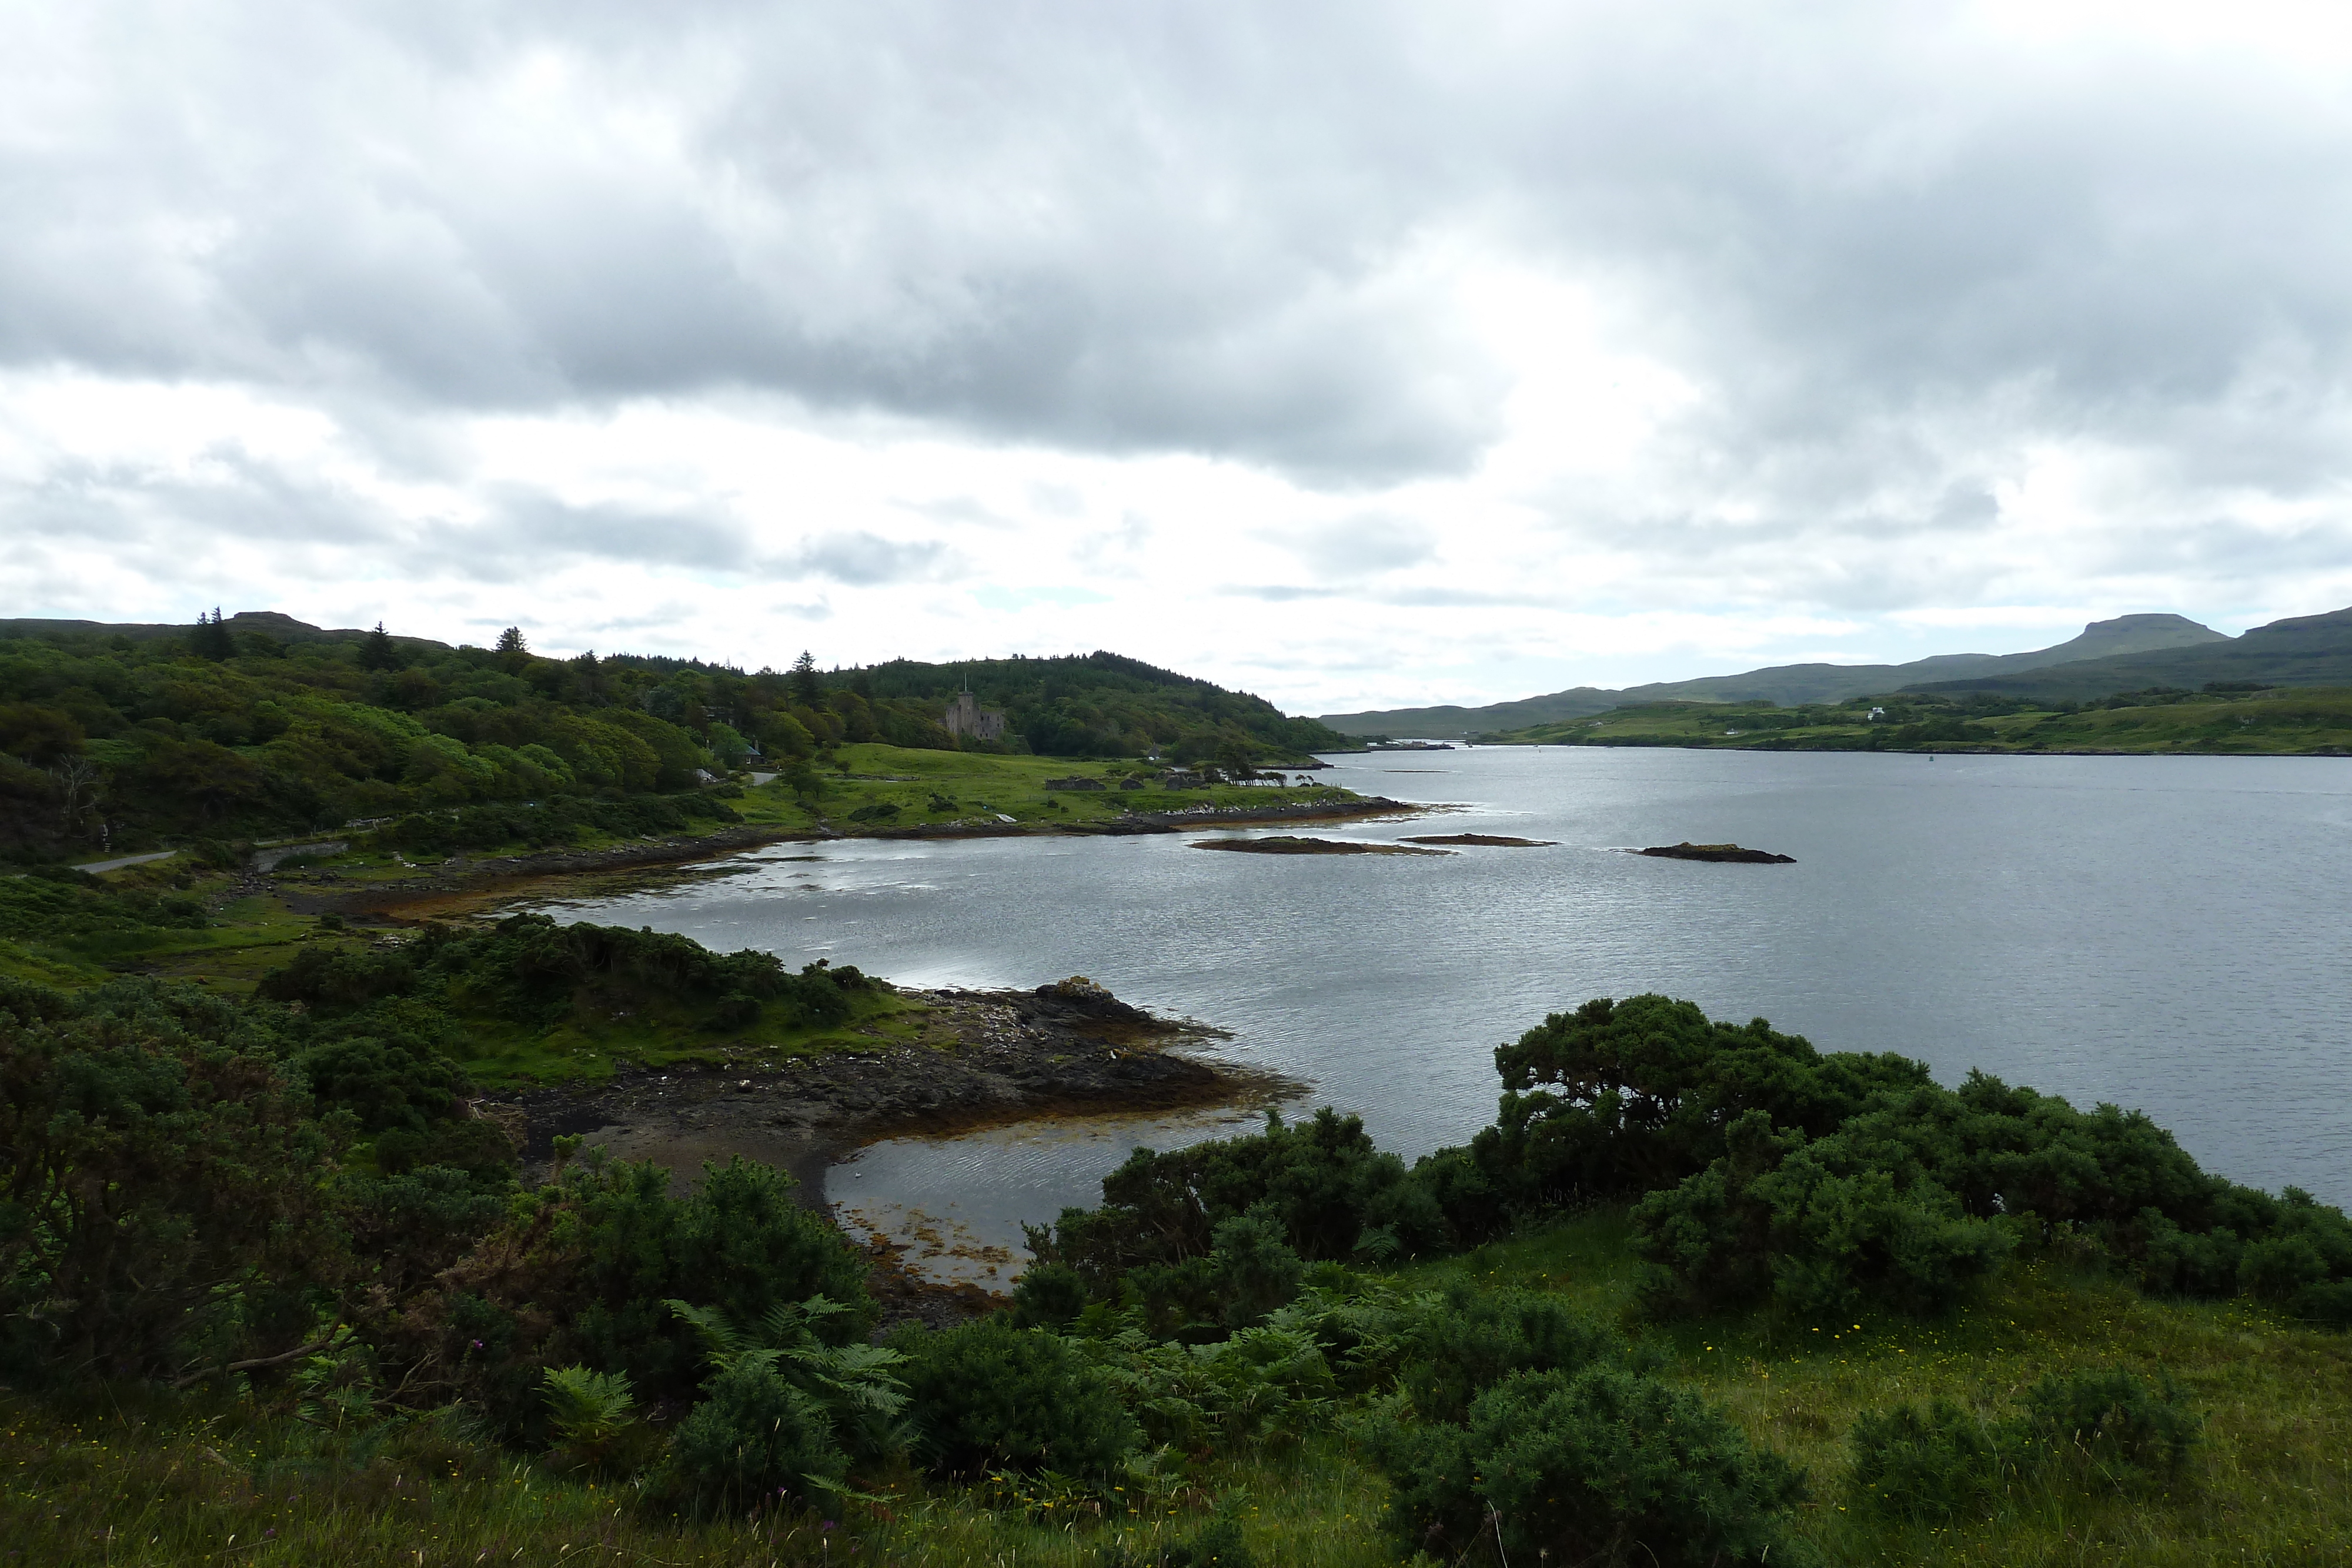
(2303,651)
(2102,641)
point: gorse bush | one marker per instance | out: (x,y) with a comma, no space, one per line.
(2109,1425)
(2106,1428)
(526,969)
(583,1269)
(1823,1184)
(1618,1099)
(1817,1228)
(1604,1465)
(1248,1272)
(753,1438)
(160,1205)
(988,1395)
(1450,1350)
(1935,1462)
(1323,1182)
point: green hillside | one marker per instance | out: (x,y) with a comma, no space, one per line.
(1788,684)
(2305,651)
(116,739)
(2285,720)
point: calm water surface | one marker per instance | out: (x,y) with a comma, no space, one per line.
(2165,932)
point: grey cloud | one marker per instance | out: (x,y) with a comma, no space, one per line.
(865,561)
(532,526)
(1356,546)
(1882,250)
(1278,594)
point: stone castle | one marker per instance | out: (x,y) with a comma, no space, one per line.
(966,718)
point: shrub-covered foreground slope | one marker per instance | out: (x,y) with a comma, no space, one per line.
(1700,1295)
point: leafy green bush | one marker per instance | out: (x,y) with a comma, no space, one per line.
(332,978)
(1815,1227)
(1048,1295)
(476,1145)
(1936,1463)
(2106,1427)
(1617,1099)
(754,1437)
(160,1202)
(1249,1271)
(1323,1181)
(582,1269)
(405,1228)
(2109,1425)
(385,1084)
(988,1395)
(1604,1465)
(529,969)
(1472,1340)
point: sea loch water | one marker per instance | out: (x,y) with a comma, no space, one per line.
(2169,934)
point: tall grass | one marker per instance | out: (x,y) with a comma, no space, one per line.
(131,1477)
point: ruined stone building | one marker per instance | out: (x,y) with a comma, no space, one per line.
(967,719)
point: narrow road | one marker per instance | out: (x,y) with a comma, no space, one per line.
(94,867)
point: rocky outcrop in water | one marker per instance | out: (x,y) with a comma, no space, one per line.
(1686,850)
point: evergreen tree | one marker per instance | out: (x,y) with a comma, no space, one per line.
(805,686)
(211,640)
(377,652)
(514,652)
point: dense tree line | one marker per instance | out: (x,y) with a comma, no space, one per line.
(227,731)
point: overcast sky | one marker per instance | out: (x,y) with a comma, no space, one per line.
(1353,354)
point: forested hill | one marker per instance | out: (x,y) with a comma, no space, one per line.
(1097,705)
(121,737)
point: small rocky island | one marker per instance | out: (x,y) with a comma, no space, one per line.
(1286,844)
(1686,850)
(1484,841)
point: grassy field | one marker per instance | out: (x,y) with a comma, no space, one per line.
(2284,721)
(141,1478)
(2273,1483)
(880,788)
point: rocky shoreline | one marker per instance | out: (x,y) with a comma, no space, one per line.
(984,1058)
(1284,844)
(1719,854)
(466,879)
